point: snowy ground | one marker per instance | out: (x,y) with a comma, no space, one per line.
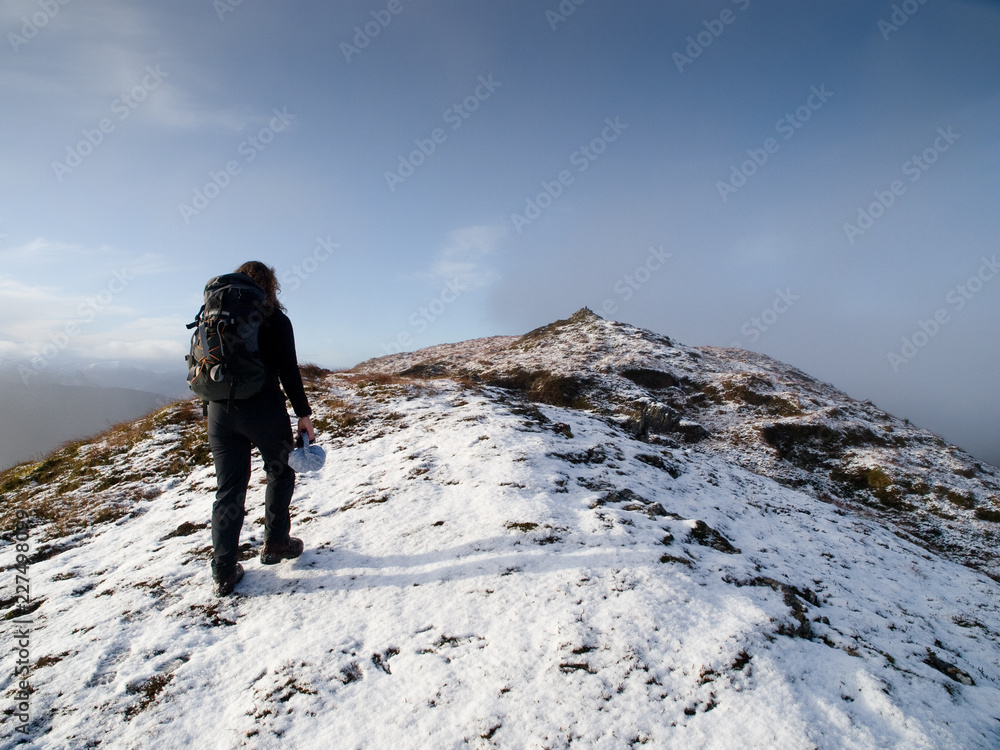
(751,411)
(481,573)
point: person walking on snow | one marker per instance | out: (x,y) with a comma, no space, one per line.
(234,426)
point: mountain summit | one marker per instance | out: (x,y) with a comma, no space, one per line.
(748,409)
(588,535)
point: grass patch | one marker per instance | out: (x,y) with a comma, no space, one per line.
(747,393)
(343,417)
(542,386)
(985,514)
(962,499)
(313,373)
(876,481)
(652,379)
(523,527)
(676,559)
(148,691)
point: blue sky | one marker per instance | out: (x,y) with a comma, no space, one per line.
(815,181)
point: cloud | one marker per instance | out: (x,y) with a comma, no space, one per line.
(33,316)
(150,351)
(177,109)
(42,249)
(10,349)
(86,316)
(148,263)
(462,256)
(151,340)
(12,290)
(90,261)
(97,54)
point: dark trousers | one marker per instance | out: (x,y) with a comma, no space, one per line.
(233,427)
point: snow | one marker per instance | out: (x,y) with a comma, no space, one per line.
(473,578)
(758,413)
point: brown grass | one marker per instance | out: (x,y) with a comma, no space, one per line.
(79,485)
(313,373)
(985,514)
(343,418)
(774,404)
(542,386)
(363,379)
(148,692)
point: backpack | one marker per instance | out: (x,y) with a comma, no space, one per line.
(224,362)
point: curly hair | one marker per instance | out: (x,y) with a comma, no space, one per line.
(266,278)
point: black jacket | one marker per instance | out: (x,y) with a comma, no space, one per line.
(277,351)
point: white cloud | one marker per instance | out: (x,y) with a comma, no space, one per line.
(12,290)
(142,328)
(150,351)
(86,318)
(81,262)
(151,340)
(174,108)
(98,53)
(462,257)
(148,263)
(43,249)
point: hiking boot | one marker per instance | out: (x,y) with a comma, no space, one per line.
(274,552)
(224,586)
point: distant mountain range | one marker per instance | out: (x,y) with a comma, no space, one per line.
(75,401)
(38,418)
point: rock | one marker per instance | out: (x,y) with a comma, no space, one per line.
(706,536)
(652,417)
(692,432)
(949,670)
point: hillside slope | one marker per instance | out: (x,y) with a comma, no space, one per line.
(484,570)
(751,410)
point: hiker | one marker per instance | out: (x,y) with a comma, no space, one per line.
(261,420)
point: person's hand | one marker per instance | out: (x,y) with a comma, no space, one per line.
(306,426)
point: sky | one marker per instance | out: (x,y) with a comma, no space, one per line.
(814,181)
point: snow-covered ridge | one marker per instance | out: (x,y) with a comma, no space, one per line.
(751,410)
(484,570)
